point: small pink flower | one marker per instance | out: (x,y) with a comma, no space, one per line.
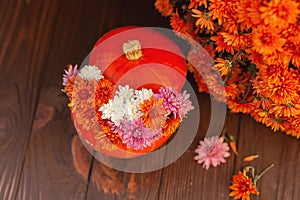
(135,135)
(174,102)
(71,72)
(212,151)
(185,104)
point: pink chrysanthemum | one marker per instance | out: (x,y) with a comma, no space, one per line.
(135,135)
(114,128)
(212,151)
(185,104)
(174,102)
(70,73)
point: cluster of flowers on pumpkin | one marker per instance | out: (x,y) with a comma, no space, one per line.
(132,119)
(255,46)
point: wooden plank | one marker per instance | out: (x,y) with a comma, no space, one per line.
(283,180)
(24,41)
(185,179)
(49,171)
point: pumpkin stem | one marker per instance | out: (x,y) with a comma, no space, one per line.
(132,49)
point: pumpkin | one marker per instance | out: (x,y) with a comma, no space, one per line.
(141,58)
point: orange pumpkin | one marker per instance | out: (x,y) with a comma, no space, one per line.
(151,60)
(161,64)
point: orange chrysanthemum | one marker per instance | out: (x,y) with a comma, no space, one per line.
(82,94)
(248,14)
(196,3)
(219,9)
(280,14)
(279,85)
(104,92)
(222,45)
(86,118)
(69,87)
(171,126)
(216,86)
(242,187)
(275,124)
(285,110)
(256,47)
(232,91)
(266,40)
(204,20)
(292,126)
(261,102)
(223,66)
(154,115)
(237,107)
(177,23)
(235,40)
(260,115)
(164,7)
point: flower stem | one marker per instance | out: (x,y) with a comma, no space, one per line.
(248,90)
(257,177)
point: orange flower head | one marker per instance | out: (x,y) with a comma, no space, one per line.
(275,123)
(220,9)
(177,23)
(154,113)
(171,126)
(223,43)
(87,118)
(237,107)
(223,66)
(104,92)
(267,41)
(164,7)
(242,187)
(248,14)
(232,91)
(204,21)
(197,3)
(280,13)
(82,94)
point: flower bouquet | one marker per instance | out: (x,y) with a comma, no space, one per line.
(256,49)
(120,116)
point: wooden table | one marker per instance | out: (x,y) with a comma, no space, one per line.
(38,39)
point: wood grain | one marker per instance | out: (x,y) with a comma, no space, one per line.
(38,39)
(53,175)
(185,179)
(23,52)
(283,180)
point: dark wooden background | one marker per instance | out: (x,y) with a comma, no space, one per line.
(37,39)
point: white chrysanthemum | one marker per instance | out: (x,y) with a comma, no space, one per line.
(125,105)
(125,92)
(141,95)
(113,110)
(133,111)
(89,72)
